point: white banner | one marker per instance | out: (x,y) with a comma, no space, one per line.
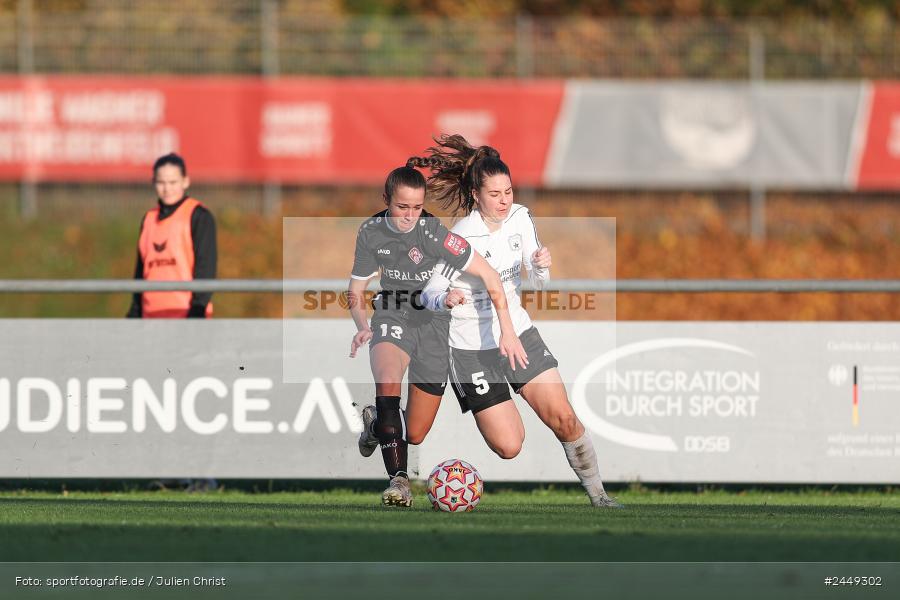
(708,134)
(668,402)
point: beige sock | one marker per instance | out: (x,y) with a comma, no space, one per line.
(583,460)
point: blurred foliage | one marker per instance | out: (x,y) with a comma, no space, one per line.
(461,38)
(678,235)
(830,9)
(684,235)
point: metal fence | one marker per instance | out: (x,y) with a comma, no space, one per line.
(291,37)
(302,38)
(655,286)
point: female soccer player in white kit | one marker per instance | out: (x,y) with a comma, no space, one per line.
(476,182)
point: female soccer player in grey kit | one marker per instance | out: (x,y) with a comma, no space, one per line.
(402,244)
(476,182)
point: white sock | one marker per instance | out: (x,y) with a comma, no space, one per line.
(583,460)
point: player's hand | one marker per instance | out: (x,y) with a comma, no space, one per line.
(454,298)
(359,340)
(541,258)
(511,348)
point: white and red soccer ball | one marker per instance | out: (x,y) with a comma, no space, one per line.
(455,486)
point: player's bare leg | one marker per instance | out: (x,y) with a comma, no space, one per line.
(389,363)
(421,409)
(502,428)
(546,394)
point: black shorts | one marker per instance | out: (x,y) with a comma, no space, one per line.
(423,338)
(480,377)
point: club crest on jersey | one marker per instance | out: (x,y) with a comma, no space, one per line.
(415,255)
(515,242)
(455,244)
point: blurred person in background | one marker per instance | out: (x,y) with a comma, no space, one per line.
(177,242)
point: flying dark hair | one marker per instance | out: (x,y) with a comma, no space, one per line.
(457,170)
(405,176)
(170,159)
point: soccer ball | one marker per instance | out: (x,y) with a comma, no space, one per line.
(454,486)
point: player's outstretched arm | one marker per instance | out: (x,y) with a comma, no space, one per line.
(438,295)
(535,255)
(356,299)
(510,346)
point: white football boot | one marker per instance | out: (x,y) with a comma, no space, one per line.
(398,492)
(604,501)
(367,440)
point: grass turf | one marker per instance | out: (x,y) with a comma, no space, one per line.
(540,525)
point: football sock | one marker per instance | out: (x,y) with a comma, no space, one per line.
(390,429)
(583,460)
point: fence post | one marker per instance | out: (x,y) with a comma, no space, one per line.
(758,213)
(25,37)
(525,70)
(757,60)
(524,46)
(271,68)
(25,41)
(757,54)
(269,38)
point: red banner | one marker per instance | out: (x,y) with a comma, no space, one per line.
(63,128)
(879,167)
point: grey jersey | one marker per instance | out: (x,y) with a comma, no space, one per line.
(406,259)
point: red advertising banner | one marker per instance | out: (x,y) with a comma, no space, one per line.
(879,166)
(66,128)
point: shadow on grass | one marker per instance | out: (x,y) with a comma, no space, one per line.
(111,529)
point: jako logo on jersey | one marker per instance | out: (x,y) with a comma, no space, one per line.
(515,241)
(415,255)
(487,254)
(383,251)
(160,247)
(455,244)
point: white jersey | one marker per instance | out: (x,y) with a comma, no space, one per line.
(474,324)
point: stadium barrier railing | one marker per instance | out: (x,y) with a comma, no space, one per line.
(91,286)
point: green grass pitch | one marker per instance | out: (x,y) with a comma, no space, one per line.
(540,525)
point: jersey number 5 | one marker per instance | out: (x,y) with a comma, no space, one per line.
(482,385)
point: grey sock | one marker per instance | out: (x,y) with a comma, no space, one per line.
(583,460)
